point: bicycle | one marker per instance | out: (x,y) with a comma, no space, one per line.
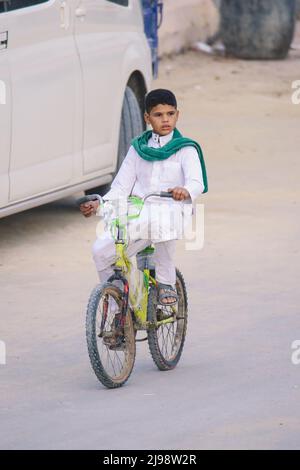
(127,303)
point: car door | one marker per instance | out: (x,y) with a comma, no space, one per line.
(102,33)
(5,110)
(44,69)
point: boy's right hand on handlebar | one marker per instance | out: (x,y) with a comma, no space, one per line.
(89,208)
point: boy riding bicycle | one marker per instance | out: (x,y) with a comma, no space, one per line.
(158,160)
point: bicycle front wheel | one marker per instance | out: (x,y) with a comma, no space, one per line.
(111,348)
(166,341)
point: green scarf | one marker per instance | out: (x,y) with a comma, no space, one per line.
(177,142)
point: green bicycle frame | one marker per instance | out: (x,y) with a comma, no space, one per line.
(124,265)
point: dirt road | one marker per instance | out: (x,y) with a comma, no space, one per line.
(236,385)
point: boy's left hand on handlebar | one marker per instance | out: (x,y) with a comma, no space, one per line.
(179,194)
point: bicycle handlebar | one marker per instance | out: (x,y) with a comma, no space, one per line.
(90,197)
(95,197)
(166,194)
(158,194)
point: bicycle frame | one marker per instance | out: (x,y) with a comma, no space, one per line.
(122,269)
(123,266)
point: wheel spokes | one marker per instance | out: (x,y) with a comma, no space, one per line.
(169,335)
(114,361)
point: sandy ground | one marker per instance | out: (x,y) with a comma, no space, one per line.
(236,386)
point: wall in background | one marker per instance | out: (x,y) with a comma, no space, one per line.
(186,21)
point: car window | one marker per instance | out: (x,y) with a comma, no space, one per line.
(124,3)
(9,5)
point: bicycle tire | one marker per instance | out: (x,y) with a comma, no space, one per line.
(96,345)
(161,357)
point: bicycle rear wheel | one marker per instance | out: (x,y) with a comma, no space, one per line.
(166,341)
(111,348)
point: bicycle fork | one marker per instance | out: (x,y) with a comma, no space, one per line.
(121,317)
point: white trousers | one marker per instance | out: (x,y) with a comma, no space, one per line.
(104,256)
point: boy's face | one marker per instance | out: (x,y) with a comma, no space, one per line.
(163,118)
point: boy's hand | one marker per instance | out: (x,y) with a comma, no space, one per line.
(179,194)
(89,208)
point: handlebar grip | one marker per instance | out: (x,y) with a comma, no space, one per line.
(166,194)
(90,197)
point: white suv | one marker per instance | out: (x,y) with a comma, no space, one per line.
(73,74)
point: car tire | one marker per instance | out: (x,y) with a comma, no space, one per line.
(131,125)
(258,29)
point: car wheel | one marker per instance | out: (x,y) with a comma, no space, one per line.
(131,126)
(257,30)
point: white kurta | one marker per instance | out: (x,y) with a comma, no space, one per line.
(161,221)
